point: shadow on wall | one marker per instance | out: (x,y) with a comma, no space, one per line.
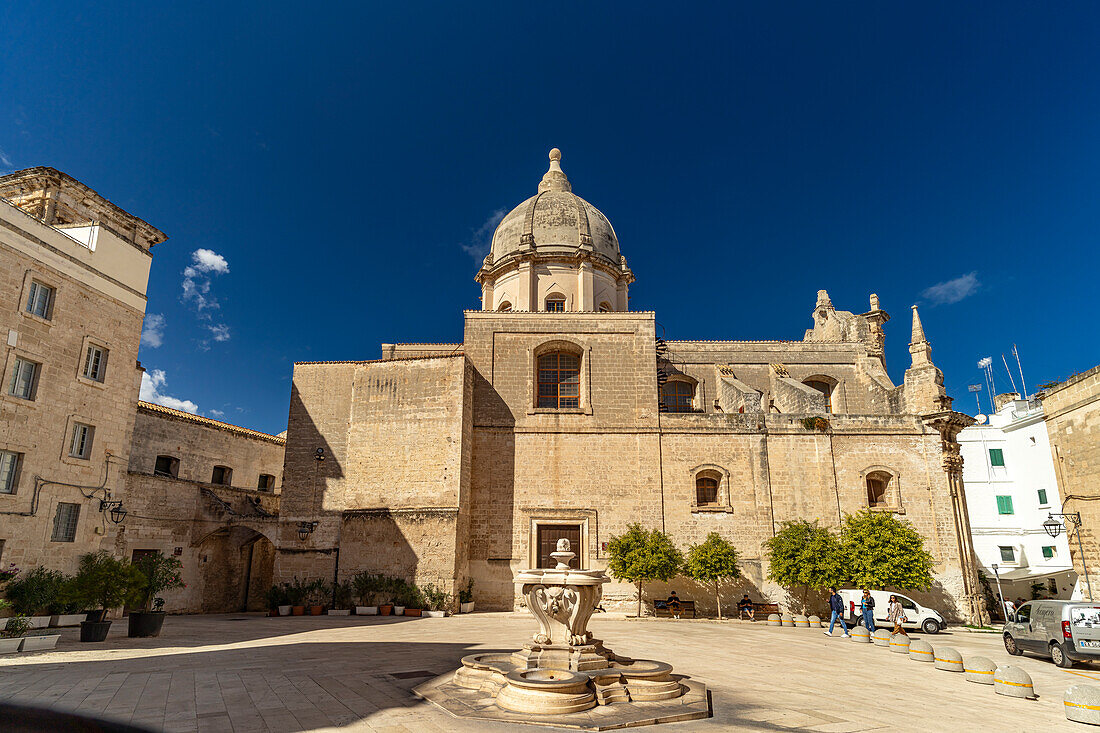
(237,565)
(702,593)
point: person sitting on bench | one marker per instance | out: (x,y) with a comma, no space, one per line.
(673,603)
(746,606)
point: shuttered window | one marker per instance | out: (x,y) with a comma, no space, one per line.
(1004,505)
(1043,496)
(1048,552)
(996,457)
(1008,554)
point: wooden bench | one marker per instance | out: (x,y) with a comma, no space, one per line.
(761,610)
(661,609)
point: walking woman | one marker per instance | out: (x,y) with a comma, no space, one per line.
(896,615)
(867,607)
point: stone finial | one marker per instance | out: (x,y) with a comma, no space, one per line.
(823,300)
(554,178)
(919,348)
(874,302)
(918,329)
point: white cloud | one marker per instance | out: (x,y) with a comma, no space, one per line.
(480,238)
(952,291)
(197,280)
(151,384)
(206,260)
(217,413)
(152,333)
(219,331)
(4,159)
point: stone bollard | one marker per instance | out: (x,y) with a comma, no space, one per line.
(1082,704)
(801,622)
(1013,682)
(815,622)
(881,637)
(921,651)
(948,659)
(980,670)
(899,643)
(774,620)
(787,620)
(860,634)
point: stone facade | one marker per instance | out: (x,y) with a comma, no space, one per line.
(1072,413)
(442,462)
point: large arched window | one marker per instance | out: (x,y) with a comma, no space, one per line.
(559,380)
(555,303)
(706,489)
(677,396)
(878,484)
(825,388)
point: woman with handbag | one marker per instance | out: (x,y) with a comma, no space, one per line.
(896,615)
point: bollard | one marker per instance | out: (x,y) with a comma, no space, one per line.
(774,620)
(787,620)
(921,651)
(802,622)
(815,622)
(861,634)
(948,659)
(899,643)
(979,670)
(881,637)
(1013,682)
(1082,704)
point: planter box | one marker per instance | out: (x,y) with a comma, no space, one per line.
(366,610)
(68,619)
(412,611)
(339,612)
(298,610)
(385,610)
(39,622)
(10,646)
(38,643)
(398,610)
(466,607)
(316,610)
(435,614)
(284,610)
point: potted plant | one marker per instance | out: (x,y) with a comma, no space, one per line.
(296,595)
(341,599)
(436,601)
(277,601)
(102,582)
(414,600)
(315,596)
(466,597)
(34,593)
(366,587)
(385,588)
(156,573)
(11,636)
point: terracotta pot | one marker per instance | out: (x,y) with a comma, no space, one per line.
(273,612)
(297,610)
(412,611)
(316,610)
(385,610)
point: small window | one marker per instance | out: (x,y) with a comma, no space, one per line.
(64,522)
(996,457)
(555,304)
(1004,505)
(677,396)
(223,475)
(1048,552)
(40,300)
(266,482)
(559,380)
(824,388)
(81,444)
(907,603)
(504,307)
(167,466)
(24,379)
(95,363)
(605,307)
(1043,497)
(1008,554)
(877,484)
(9,471)
(706,490)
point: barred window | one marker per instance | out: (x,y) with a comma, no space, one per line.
(64,522)
(677,396)
(559,380)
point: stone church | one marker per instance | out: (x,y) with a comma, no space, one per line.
(561,414)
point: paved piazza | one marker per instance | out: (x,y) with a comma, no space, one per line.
(246,672)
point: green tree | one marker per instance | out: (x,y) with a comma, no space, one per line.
(713,561)
(641,554)
(882,551)
(805,555)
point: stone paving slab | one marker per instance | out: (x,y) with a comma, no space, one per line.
(283,675)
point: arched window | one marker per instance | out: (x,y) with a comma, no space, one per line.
(878,483)
(676,396)
(559,380)
(605,307)
(504,307)
(555,303)
(706,489)
(825,388)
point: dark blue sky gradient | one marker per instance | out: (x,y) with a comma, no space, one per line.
(342,157)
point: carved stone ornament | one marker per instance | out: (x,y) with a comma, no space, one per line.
(563,612)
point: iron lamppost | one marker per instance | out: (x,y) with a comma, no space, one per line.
(1054,528)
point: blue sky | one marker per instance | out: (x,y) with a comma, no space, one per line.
(324,172)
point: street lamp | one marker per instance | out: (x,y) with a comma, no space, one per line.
(1054,528)
(1000,593)
(113,510)
(305,529)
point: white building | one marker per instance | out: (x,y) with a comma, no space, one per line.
(1010,489)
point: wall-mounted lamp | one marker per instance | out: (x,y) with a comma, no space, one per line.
(305,529)
(319,454)
(113,510)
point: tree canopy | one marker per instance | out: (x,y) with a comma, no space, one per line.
(642,554)
(713,561)
(882,551)
(803,554)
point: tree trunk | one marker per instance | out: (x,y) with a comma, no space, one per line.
(639,599)
(805,592)
(718,600)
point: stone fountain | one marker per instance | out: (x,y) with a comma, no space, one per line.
(563,675)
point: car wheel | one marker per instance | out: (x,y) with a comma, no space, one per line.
(931,626)
(1011,648)
(1058,656)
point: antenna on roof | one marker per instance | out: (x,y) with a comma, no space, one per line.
(1023,384)
(976,388)
(986,365)
(1010,379)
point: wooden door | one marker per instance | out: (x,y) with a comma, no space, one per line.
(549,534)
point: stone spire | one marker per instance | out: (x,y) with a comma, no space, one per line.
(919,348)
(554,179)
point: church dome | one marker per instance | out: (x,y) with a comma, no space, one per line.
(555,220)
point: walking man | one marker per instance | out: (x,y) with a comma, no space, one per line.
(867,606)
(836,605)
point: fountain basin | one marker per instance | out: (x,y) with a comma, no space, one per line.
(546,692)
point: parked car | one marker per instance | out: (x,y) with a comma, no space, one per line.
(1065,631)
(916,616)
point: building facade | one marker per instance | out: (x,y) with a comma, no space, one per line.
(1010,490)
(561,414)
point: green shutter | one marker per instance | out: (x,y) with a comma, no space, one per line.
(1048,552)
(996,457)
(1004,505)
(1042,496)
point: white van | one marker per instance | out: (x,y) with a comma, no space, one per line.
(916,615)
(1065,631)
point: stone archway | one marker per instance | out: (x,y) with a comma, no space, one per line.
(237,569)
